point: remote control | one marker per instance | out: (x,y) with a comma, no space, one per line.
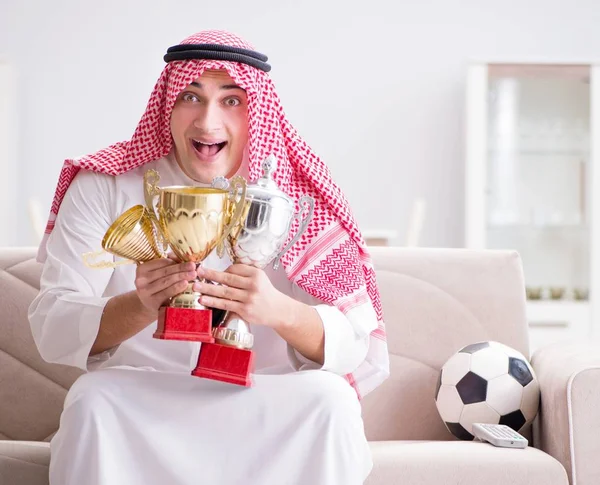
(499,435)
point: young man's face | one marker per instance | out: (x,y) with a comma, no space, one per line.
(209,126)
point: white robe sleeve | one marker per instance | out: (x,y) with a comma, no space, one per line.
(65,316)
(345,346)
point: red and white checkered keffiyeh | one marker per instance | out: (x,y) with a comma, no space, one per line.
(330,261)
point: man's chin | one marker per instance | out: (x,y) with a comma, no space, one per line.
(202,178)
(204,175)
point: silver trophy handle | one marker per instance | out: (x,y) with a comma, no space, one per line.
(307,207)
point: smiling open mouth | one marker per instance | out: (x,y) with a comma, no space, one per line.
(208,149)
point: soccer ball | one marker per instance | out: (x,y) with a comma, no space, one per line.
(486,382)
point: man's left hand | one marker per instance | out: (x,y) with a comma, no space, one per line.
(247,291)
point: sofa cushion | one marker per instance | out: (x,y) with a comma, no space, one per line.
(464,462)
(24,463)
(400,462)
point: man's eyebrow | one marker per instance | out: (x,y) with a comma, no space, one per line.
(225,86)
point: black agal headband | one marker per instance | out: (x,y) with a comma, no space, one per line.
(217,52)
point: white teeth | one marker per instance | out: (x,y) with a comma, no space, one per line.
(207,144)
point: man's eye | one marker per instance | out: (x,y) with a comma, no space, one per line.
(189,97)
(232,102)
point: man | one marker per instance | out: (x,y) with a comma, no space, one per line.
(140,417)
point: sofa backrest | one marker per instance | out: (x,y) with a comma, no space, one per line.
(31,390)
(434,301)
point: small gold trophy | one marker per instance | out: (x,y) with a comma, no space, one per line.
(133,236)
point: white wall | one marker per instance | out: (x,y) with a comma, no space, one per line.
(376,87)
(8,156)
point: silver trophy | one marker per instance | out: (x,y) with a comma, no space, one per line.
(259,237)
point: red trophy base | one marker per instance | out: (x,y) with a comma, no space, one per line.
(184,324)
(226,364)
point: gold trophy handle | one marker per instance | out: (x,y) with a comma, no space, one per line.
(151,190)
(88,260)
(304,216)
(237,195)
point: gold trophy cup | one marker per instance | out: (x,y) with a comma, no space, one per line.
(194,221)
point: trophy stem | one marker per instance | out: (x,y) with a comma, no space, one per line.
(188,298)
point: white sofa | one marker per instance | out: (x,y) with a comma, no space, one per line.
(435,301)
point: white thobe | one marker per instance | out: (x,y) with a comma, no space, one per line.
(139,417)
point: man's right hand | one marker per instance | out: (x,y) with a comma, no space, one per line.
(158,280)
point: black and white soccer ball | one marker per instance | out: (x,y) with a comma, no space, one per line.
(486,382)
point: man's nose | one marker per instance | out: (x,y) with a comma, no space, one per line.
(209,118)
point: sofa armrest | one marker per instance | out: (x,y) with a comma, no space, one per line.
(568,426)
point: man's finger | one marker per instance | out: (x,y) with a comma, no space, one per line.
(160,284)
(220,303)
(223,278)
(170,291)
(242,269)
(220,291)
(173,268)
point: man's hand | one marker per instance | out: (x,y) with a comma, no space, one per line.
(158,280)
(247,291)
(129,313)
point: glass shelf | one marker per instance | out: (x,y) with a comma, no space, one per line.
(538,185)
(535,227)
(542,153)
